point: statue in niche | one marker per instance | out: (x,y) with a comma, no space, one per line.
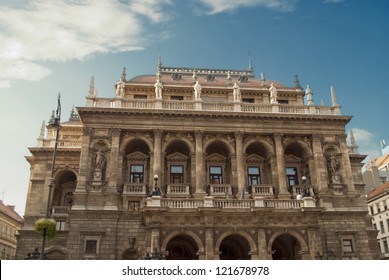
(273,94)
(68,199)
(236,92)
(158,89)
(197,90)
(99,160)
(333,163)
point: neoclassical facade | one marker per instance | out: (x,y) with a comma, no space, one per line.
(201,164)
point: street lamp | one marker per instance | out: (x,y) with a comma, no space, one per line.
(55,124)
(156,191)
(305,191)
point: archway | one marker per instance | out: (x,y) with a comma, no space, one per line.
(182,247)
(234,247)
(286,247)
(65,185)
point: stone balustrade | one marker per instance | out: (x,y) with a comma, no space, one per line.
(211,106)
(59,211)
(178,189)
(134,189)
(220,189)
(262,190)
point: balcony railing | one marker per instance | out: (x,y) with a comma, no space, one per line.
(178,190)
(262,190)
(57,211)
(134,189)
(209,202)
(220,189)
(212,106)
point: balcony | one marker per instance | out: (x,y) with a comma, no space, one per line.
(60,211)
(212,202)
(134,189)
(212,106)
(178,190)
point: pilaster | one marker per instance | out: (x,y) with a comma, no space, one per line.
(240,162)
(199,162)
(280,165)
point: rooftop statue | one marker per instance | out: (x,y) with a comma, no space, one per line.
(236,92)
(158,89)
(273,94)
(197,90)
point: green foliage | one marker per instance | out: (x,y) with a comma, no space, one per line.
(46,224)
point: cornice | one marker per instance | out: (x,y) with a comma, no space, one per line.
(84,112)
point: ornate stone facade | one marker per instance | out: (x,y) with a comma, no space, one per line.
(160,167)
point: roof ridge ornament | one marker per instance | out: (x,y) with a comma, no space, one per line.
(333,96)
(251,67)
(297,82)
(92,90)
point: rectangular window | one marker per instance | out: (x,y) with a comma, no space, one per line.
(91,247)
(60,225)
(386,249)
(136,173)
(382,226)
(291,177)
(140,96)
(283,101)
(371,210)
(133,206)
(378,208)
(176,97)
(347,245)
(215,174)
(254,175)
(248,100)
(176,174)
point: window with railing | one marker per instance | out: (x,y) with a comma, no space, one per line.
(176,174)
(136,173)
(291,177)
(215,175)
(253,175)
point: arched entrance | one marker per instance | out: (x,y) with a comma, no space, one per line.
(182,247)
(286,247)
(234,247)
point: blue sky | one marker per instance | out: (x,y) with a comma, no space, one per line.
(55,46)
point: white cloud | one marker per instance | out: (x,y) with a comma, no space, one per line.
(63,30)
(365,140)
(219,6)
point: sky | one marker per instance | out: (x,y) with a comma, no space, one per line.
(47,47)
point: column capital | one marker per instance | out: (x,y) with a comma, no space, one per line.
(317,137)
(239,135)
(198,134)
(278,136)
(116,132)
(157,133)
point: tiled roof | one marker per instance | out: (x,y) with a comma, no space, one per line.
(8,210)
(378,190)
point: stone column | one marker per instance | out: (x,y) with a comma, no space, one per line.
(112,168)
(263,254)
(320,164)
(240,163)
(157,155)
(155,240)
(346,165)
(281,165)
(199,163)
(80,193)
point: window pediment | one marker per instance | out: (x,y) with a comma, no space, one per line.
(137,156)
(177,157)
(216,158)
(292,159)
(253,158)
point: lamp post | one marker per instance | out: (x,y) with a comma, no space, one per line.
(305,191)
(56,126)
(156,191)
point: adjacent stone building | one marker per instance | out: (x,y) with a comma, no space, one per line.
(10,224)
(201,164)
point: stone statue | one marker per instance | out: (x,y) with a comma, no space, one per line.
(158,89)
(197,90)
(120,89)
(99,160)
(273,94)
(333,162)
(309,95)
(236,92)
